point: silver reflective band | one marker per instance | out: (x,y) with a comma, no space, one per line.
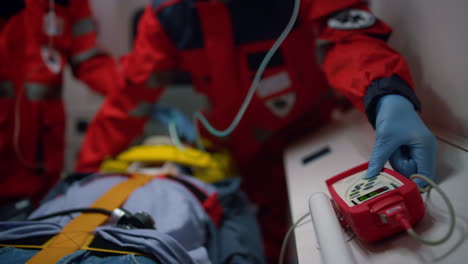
(83,26)
(281,105)
(273,84)
(37,91)
(352,19)
(160,78)
(6,89)
(52,59)
(83,56)
(141,110)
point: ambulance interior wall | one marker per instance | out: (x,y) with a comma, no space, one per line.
(430,34)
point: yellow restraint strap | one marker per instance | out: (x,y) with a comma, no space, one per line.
(76,233)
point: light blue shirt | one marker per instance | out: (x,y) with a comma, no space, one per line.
(180,219)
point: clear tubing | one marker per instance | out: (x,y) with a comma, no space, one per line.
(255,82)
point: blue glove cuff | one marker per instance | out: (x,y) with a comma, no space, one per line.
(386,86)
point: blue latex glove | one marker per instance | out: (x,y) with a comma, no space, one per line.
(165,114)
(403,139)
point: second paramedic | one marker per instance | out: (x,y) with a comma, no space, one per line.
(38,39)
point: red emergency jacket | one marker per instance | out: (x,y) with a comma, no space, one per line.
(33,53)
(221,46)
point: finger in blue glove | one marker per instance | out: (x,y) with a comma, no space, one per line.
(403,139)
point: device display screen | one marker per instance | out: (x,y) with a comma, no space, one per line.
(372,194)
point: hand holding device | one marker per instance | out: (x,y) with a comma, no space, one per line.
(403,139)
(374,207)
(383,205)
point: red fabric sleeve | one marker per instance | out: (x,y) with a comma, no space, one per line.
(90,63)
(100,73)
(356,57)
(121,119)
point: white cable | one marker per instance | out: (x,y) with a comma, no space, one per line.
(16,133)
(249,96)
(286,237)
(411,231)
(255,82)
(17,128)
(17,120)
(173,134)
(321,212)
(178,143)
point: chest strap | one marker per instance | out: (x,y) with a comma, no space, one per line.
(78,232)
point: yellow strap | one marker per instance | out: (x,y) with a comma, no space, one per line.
(76,233)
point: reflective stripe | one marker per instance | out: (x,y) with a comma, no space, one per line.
(83,26)
(273,84)
(6,89)
(161,78)
(282,105)
(83,56)
(351,19)
(141,110)
(37,91)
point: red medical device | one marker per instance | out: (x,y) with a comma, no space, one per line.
(374,208)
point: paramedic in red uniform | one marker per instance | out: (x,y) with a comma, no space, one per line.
(221,44)
(37,39)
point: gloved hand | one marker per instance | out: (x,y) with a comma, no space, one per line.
(403,139)
(165,114)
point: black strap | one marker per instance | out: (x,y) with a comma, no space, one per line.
(29,241)
(201,196)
